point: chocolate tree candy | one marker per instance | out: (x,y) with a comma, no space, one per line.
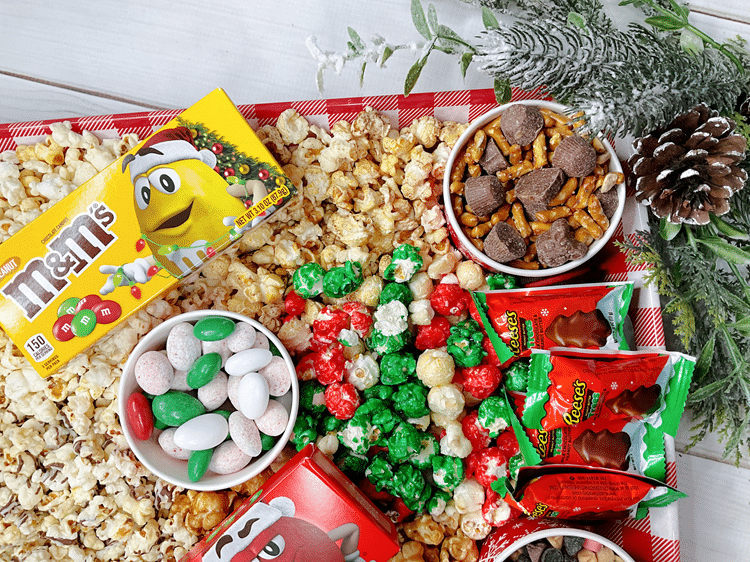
(572,544)
(603,448)
(504,243)
(536,189)
(521,124)
(492,161)
(484,194)
(580,329)
(575,156)
(635,402)
(535,550)
(557,245)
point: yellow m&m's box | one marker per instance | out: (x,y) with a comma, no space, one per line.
(123,238)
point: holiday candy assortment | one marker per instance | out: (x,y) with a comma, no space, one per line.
(399,382)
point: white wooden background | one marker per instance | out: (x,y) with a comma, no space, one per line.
(65,59)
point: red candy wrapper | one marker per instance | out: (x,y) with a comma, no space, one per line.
(592,316)
(629,445)
(568,386)
(309,510)
(584,493)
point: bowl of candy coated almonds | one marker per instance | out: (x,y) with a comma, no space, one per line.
(524,194)
(208,399)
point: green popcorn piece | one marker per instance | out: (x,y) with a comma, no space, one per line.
(465,344)
(330,424)
(383,417)
(403,442)
(350,463)
(340,281)
(380,472)
(501,281)
(395,292)
(438,501)
(383,344)
(397,367)
(379,391)
(517,376)
(447,471)
(493,414)
(308,280)
(409,485)
(405,263)
(419,503)
(430,446)
(311,397)
(358,434)
(304,431)
(411,399)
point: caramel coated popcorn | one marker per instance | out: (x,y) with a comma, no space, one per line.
(72,490)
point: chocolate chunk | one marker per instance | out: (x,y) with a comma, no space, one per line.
(521,123)
(484,194)
(492,161)
(635,402)
(580,329)
(535,550)
(504,243)
(536,189)
(572,544)
(575,156)
(552,555)
(557,245)
(609,200)
(603,448)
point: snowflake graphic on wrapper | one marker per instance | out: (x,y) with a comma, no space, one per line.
(614,386)
(544,312)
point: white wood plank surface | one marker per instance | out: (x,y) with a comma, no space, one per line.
(67,59)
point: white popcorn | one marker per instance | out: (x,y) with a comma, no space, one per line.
(421,312)
(391,318)
(435,367)
(12,190)
(446,400)
(474,525)
(468,496)
(454,443)
(292,126)
(363,371)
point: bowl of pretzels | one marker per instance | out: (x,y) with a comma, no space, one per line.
(526,194)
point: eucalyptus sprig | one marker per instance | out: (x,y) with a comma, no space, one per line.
(692,39)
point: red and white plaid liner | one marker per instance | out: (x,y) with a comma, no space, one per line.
(653,539)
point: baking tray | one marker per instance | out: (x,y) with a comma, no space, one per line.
(652,539)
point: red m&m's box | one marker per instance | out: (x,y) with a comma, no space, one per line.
(307,512)
(153,216)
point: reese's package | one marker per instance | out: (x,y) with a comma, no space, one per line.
(590,316)
(584,493)
(568,386)
(153,216)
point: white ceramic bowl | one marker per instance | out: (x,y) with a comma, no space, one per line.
(150,453)
(468,249)
(506,540)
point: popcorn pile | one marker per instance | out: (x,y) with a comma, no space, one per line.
(73,490)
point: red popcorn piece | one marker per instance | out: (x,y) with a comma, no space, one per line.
(449,299)
(433,335)
(487,465)
(329,323)
(306,366)
(330,364)
(474,432)
(294,305)
(481,381)
(342,400)
(507,443)
(360,317)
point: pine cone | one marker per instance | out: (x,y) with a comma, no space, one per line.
(689,168)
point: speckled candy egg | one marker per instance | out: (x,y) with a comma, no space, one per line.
(154,372)
(183,348)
